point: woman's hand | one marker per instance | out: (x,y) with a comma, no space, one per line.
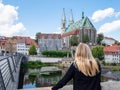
(48,88)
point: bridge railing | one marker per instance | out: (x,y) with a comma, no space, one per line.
(8,66)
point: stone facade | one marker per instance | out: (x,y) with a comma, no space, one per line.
(49,42)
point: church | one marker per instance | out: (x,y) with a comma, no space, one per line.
(82,28)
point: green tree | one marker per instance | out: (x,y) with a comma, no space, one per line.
(116,42)
(100,38)
(98,52)
(32,50)
(74,41)
(85,39)
(36,37)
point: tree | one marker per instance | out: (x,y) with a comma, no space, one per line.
(74,41)
(10,47)
(32,50)
(98,52)
(36,38)
(85,39)
(116,42)
(100,38)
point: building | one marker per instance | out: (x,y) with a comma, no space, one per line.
(2,44)
(82,28)
(112,53)
(24,43)
(17,44)
(49,41)
(108,41)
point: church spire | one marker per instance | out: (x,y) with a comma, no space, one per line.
(63,27)
(82,14)
(63,16)
(71,17)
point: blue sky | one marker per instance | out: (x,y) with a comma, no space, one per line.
(27,17)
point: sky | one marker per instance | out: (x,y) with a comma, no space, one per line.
(27,17)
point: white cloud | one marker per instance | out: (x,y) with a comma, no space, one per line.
(102,14)
(8,21)
(58,31)
(117,14)
(109,27)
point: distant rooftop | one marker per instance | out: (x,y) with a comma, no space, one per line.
(84,22)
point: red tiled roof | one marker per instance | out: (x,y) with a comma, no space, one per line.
(73,32)
(112,49)
(27,40)
(52,36)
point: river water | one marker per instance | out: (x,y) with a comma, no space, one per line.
(49,76)
(44,79)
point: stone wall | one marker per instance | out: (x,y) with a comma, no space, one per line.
(110,85)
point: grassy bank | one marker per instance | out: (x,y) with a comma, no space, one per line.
(35,64)
(113,68)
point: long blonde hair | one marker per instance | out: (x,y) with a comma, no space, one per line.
(85,60)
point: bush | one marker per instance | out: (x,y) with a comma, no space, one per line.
(53,53)
(104,63)
(35,64)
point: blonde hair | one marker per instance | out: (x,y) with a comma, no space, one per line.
(85,60)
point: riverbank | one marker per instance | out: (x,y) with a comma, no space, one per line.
(113,68)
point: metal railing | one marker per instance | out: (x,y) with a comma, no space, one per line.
(8,67)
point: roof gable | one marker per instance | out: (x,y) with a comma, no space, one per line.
(83,23)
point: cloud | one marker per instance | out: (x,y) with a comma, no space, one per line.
(117,14)
(58,31)
(109,27)
(102,14)
(9,24)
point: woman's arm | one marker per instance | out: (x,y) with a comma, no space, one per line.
(67,77)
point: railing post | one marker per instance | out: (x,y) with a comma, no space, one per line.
(13,63)
(10,69)
(2,86)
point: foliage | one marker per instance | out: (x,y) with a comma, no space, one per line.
(54,82)
(98,52)
(33,76)
(36,38)
(116,42)
(34,64)
(32,50)
(58,53)
(104,63)
(100,38)
(74,41)
(85,39)
(10,47)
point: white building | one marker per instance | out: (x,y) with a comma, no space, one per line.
(24,43)
(108,41)
(112,53)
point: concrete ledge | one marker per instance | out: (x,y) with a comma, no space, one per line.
(110,85)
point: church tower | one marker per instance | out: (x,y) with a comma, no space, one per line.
(71,21)
(63,27)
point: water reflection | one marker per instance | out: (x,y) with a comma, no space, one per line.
(46,76)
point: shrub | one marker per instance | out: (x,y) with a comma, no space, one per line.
(53,53)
